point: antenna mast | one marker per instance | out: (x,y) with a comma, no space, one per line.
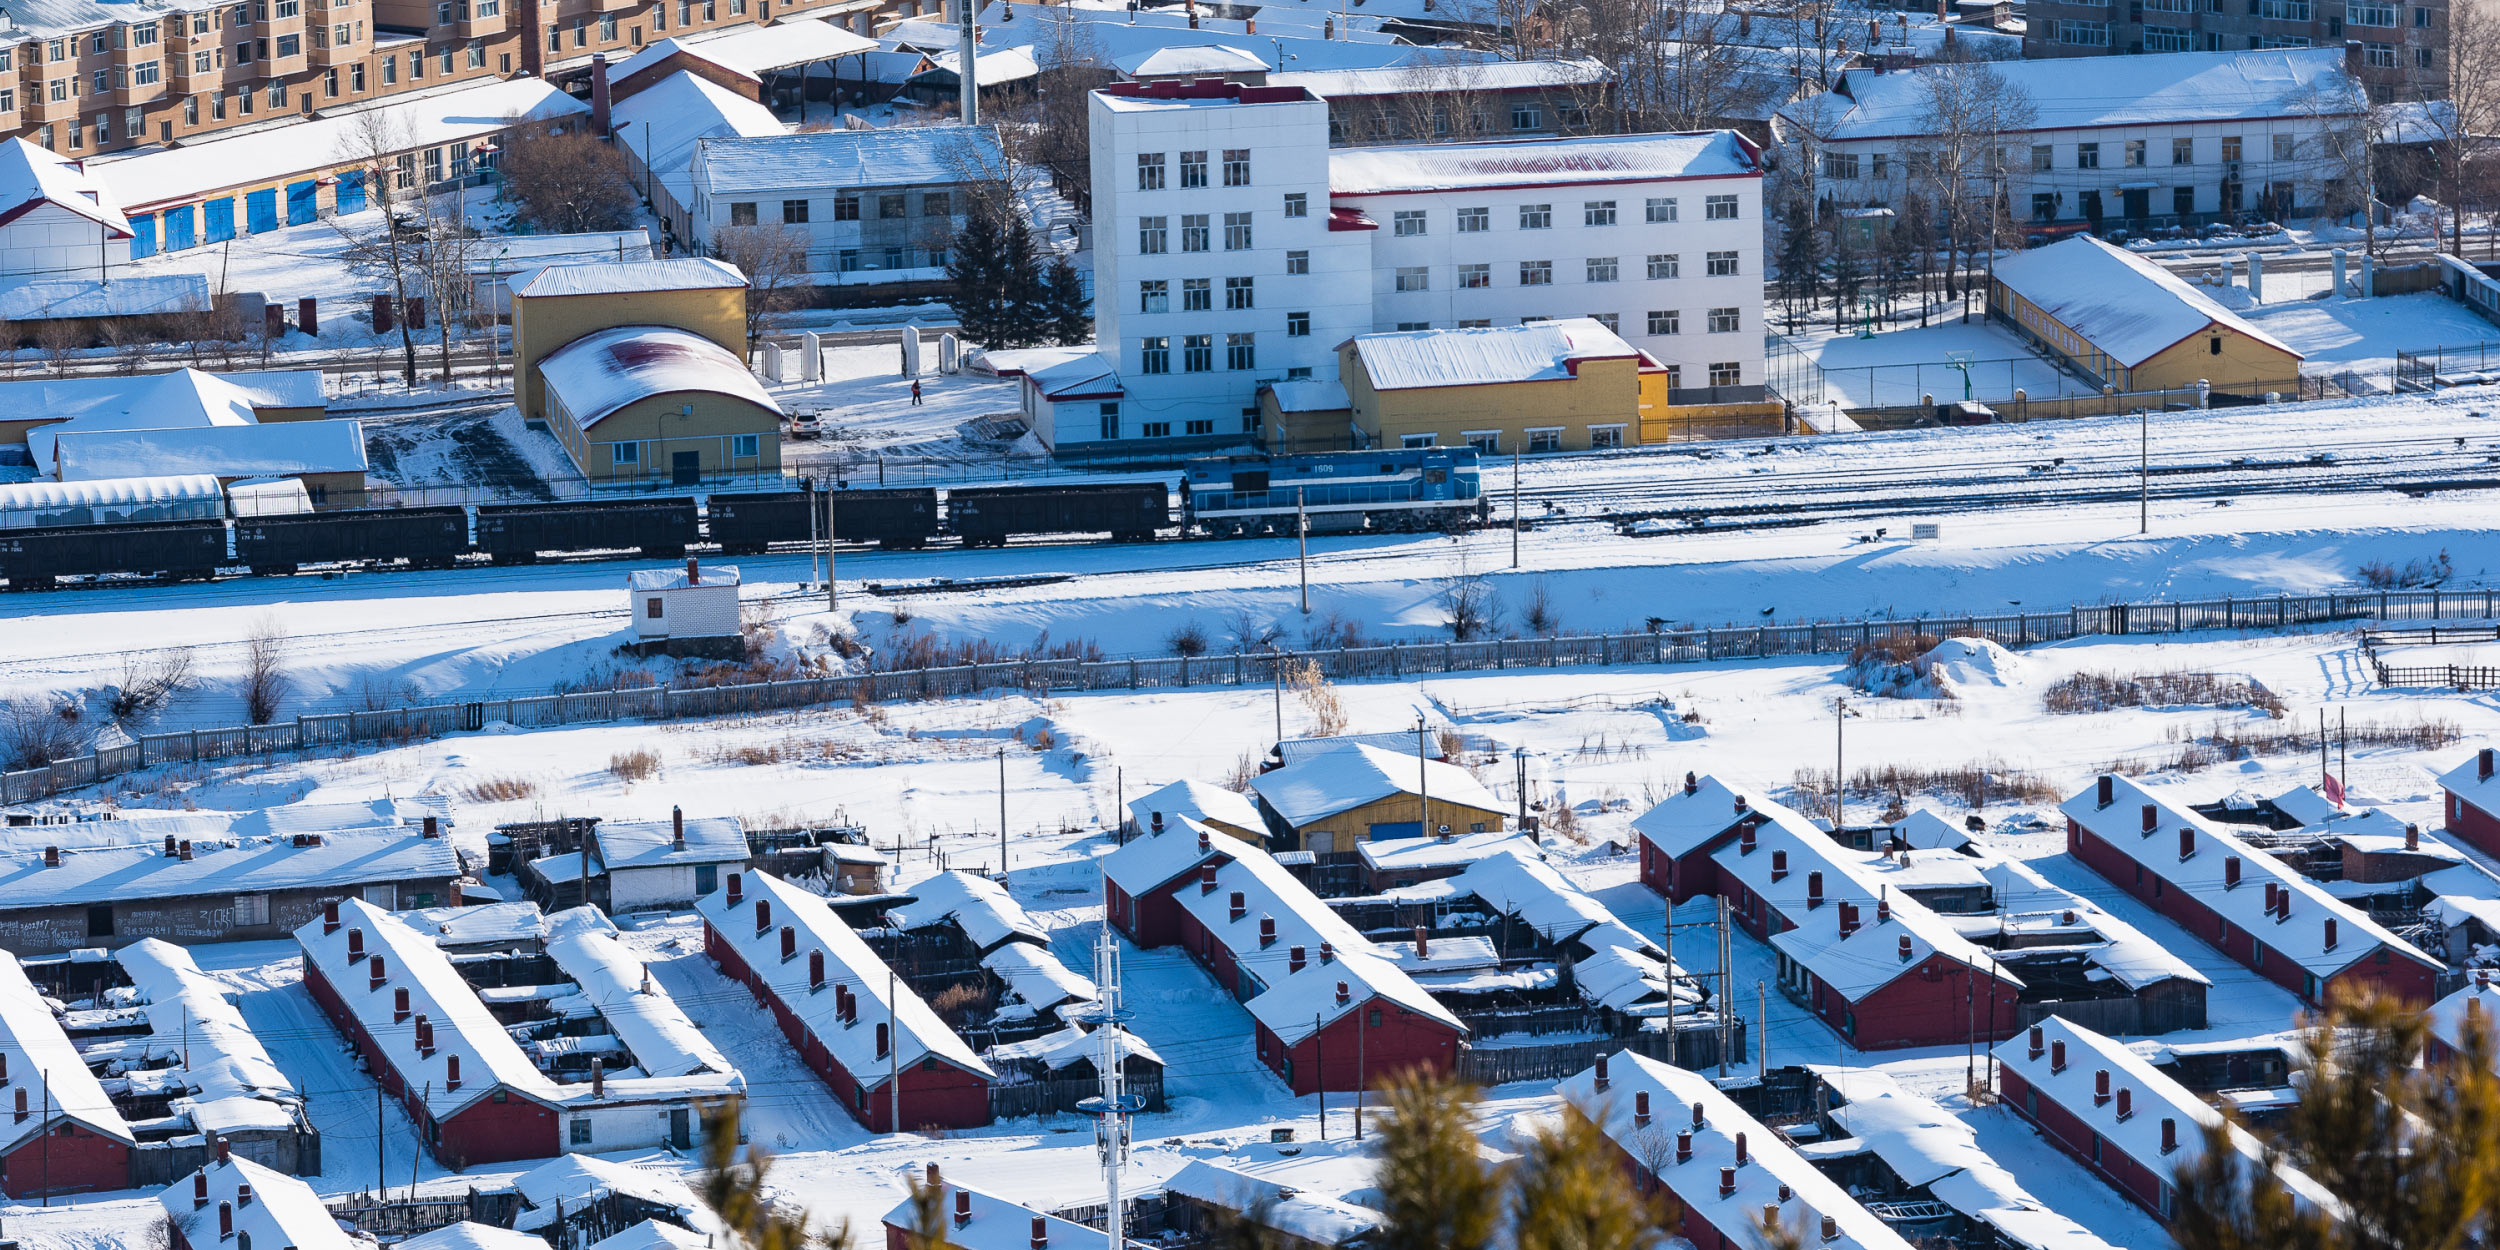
(1113,1107)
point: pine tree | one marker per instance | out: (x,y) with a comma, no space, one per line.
(975,270)
(1024,309)
(1438,1193)
(1571,1195)
(928,1217)
(739,1194)
(1071,311)
(1800,255)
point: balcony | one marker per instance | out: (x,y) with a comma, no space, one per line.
(191,81)
(43,108)
(140,92)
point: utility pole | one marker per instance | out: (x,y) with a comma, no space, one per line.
(1002,815)
(894,1053)
(1302,541)
(381,1147)
(1361,1074)
(1840,785)
(1727,1001)
(814,533)
(1113,1107)
(1319,1072)
(1276,671)
(832,602)
(1762,1028)
(1970,1002)
(967,77)
(1423,779)
(1521,755)
(2144,471)
(1514,507)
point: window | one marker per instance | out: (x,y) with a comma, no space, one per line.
(742,213)
(2135,154)
(2230,149)
(1601,269)
(1407,221)
(2283,146)
(1663,265)
(1151,429)
(251,909)
(1193,170)
(1150,171)
(794,212)
(1719,208)
(1411,442)
(1154,355)
(1536,216)
(2379,55)
(625,453)
(2422,57)
(99,924)
(1198,353)
(1526,117)
(846,206)
(2087,156)
(937,203)
(1536,273)
(1661,209)
(2169,39)
(1297,262)
(2083,34)
(1474,220)
(1414,278)
(1298,373)
(1297,204)
(1239,293)
(190,107)
(1597,213)
(1727,373)
(1724,321)
(1840,164)
(1236,167)
(1544,440)
(290,45)
(1612,321)
(1203,425)
(1297,325)
(1150,235)
(1471,277)
(2183,151)
(1110,420)
(607,28)
(1194,232)
(1236,232)
(1197,295)
(356,78)
(893,207)
(2283,10)
(2183,200)
(1241,351)
(1605,437)
(1666,321)
(1154,297)
(1722,264)
(580,1130)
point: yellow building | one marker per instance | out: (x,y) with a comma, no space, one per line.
(1335,799)
(1570,385)
(639,370)
(1223,811)
(2134,325)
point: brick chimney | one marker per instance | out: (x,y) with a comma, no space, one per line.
(694,571)
(598,1076)
(1779,865)
(763,916)
(2107,791)
(2152,817)
(2100,1087)
(1905,949)
(885,1040)
(1328,952)
(2126,1104)
(2485,761)
(51,857)
(2187,844)
(1727,1182)
(599,100)
(677,825)
(963,1206)
(1155,826)
(815,970)
(1640,1108)
(737,888)
(2169,1135)
(431,827)
(399,1005)
(1294,959)
(1423,943)
(2038,1045)
(2057,1056)
(2330,933)
(169,846)
(2413,837)
(1848,919)
(1745,838)
(1683,1147)
(224,1152)
(789,943)
(1205,844)
(1267,931)
(199,1189)
(355,945)
(1883,907)
(1814,889)
(1206,879)
(329,917)
(1345,993)
(1602,1080)
(1692,784)
(1741,1157)
(1238,905)
(378,973)
(1831,1228)
(2230,872)
(1041,1233)
(1697,1117)
(451,1072)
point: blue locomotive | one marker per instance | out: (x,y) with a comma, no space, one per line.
(1407,489)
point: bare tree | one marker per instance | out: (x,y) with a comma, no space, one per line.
(1959,163)
(1051,130)
(35,732)
(59,339)
(149,679)
(376,139)
(567,181)
(774,259)
(2346,130)
(2464,126)
(265,683)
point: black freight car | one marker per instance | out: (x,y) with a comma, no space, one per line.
(987,516)
(743,524)
(427,538)
(518,533)
(31,558)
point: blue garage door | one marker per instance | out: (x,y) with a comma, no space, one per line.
(260,211)
(218,217)
(352,191)
(178,231)
(142,236)
(301,202)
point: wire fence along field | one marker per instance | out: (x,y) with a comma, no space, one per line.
(2477,674)
(1393,661)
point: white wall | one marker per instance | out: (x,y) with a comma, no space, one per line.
(698,611)
(53,242)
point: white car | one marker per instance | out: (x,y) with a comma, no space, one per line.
(807,425)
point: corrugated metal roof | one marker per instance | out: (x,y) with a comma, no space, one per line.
(911,156)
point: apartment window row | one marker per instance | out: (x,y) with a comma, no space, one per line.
(1197,233)
(1241,352)
(1193,169)
(2137,153)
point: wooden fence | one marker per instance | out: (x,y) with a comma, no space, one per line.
(1695,1047)
(2460,677)
(1025,1098)
(389,1220)
(1394,660)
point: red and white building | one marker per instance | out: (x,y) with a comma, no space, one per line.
(59,1131)
(852,1021)
(236,1204)
(976,1220)
(2474,801)
(1727,1171)
(2113,1111)
(2243,901)
(1333,1013)
(1871,961)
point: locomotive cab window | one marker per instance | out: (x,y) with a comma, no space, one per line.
(1250,479)
(1435,477)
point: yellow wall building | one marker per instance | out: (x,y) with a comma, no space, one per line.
(1570,385)
(1358,793)
(2134,325)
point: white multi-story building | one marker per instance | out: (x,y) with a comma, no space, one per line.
(875,205)
(1234,249)
(56,222)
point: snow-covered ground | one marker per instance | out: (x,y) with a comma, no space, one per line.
(1902,366)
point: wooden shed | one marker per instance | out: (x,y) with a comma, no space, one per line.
(2135,325)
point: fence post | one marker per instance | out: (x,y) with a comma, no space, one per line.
(1132,674)
(1397,662)
(1449,657)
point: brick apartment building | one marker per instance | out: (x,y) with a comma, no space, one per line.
(2401,46)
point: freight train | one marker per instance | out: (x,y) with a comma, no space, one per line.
(1391,490)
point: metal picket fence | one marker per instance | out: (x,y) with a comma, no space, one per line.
(1393,660)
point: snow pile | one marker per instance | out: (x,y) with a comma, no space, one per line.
(1970,662)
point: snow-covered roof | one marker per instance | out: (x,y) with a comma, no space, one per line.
(110,499)
(31,1042)
(1072,1045)
(163,177)
(1200,802)
(752,50)
(1334,84)
(282,1211)
(2094,93)
(31,176)
(246,865)
(146,827)
(1320,786)
(1540,351)
(680,273)
(1316,1218)
(2027,902)
(184,397)
(129,295)
(1058,372)
(1309,395)
(1152,859)
(1455,851)
(2123,304)
(910,156)
(995,1223)
(485,925)
(1772,1163)
(1197,60)
(576,1180)
(1686,820)
(661,123)
(598,374)
(284,447)
(2473,783)
(1036,976)
(228,1080)
(624,845)
(2448,1015)
(1928,1146)
(995,66)
(617,984)
(1294,1004)
(462,1027)
(2302,938)
(1923,830)
(471,1235)
(510,254)
(2155,1099)
(979,906)
(654,1235)
(660,50)
(1617,967)
(674,578)
(848,961)
(1591,160)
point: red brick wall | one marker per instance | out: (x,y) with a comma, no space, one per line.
(487,1131)
(2472,825)
(1336,1060)
(76,1161)
(2073,1136)
(1914,1011)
